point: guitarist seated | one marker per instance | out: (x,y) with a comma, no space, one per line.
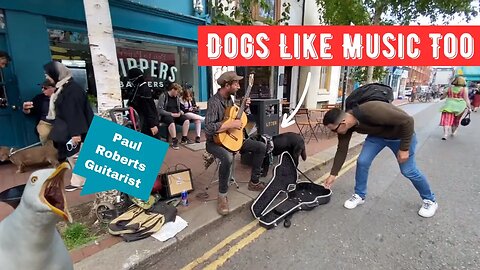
(214,123)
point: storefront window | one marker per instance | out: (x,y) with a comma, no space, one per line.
(324,79)
(161,64)
(263,80)
(71,48)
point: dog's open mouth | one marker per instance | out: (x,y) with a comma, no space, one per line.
(54,195)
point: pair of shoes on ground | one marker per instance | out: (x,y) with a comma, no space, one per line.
(184,140)
(222,201)
(71,188)
(427,210)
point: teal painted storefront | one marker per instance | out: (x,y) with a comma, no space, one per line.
(26,39)
(471,74)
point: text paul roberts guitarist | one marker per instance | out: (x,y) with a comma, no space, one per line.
(224,123)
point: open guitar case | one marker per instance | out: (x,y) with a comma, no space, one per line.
(285,194)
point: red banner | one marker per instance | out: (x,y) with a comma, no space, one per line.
(338,45)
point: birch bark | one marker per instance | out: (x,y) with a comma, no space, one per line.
(103,53)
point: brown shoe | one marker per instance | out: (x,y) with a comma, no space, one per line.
(256,186)
(222,205)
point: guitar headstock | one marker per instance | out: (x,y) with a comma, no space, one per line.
(250,79)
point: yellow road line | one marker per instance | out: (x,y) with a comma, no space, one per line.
(254,235)
(220,245)
(234,249)
(345,168)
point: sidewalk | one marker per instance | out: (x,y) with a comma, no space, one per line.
(109,250)
(202,214)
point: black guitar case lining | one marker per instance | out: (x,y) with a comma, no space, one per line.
(284,195)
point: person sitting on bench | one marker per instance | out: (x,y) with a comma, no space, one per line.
(190,108)
(170,113)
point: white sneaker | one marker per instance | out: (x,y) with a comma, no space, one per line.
(428,209)
(353,201)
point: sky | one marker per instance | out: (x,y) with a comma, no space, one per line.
(457,21)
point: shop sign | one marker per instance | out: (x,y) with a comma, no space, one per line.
(158,67)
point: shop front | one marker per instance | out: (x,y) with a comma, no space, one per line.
(162,43)
(161,64)
(472,74)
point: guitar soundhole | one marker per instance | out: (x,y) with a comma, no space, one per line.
(232,136)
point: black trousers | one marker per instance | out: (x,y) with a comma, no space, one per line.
(258,150)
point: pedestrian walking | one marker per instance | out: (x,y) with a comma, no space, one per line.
(456,104)
(71,114)
(386,126)
(476,98)
(38,107)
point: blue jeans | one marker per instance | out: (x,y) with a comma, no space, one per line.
(373,145)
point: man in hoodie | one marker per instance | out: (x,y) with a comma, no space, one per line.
(141,99)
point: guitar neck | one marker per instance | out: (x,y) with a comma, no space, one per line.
(242,104)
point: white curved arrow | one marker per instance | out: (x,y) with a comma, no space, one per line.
(288,120)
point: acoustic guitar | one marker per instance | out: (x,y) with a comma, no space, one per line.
(232,139)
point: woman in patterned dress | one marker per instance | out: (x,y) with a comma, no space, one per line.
(455,106)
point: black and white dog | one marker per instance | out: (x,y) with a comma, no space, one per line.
(291,142)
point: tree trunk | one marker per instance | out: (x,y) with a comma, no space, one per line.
(370,74)
(376,21)
(103,53)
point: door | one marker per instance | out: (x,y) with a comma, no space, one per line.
(287,83)
(10,118)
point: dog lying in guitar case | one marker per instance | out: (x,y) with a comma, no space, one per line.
(284,195)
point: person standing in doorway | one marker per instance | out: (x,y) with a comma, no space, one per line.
(4,59)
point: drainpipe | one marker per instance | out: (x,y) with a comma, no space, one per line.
(298,77)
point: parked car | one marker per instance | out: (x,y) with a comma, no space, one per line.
(424,89)
(408,91)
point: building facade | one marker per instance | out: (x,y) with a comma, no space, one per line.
(160,37)
(325,81)
(418,75)
(397,79)
(442,76)
(287,82)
